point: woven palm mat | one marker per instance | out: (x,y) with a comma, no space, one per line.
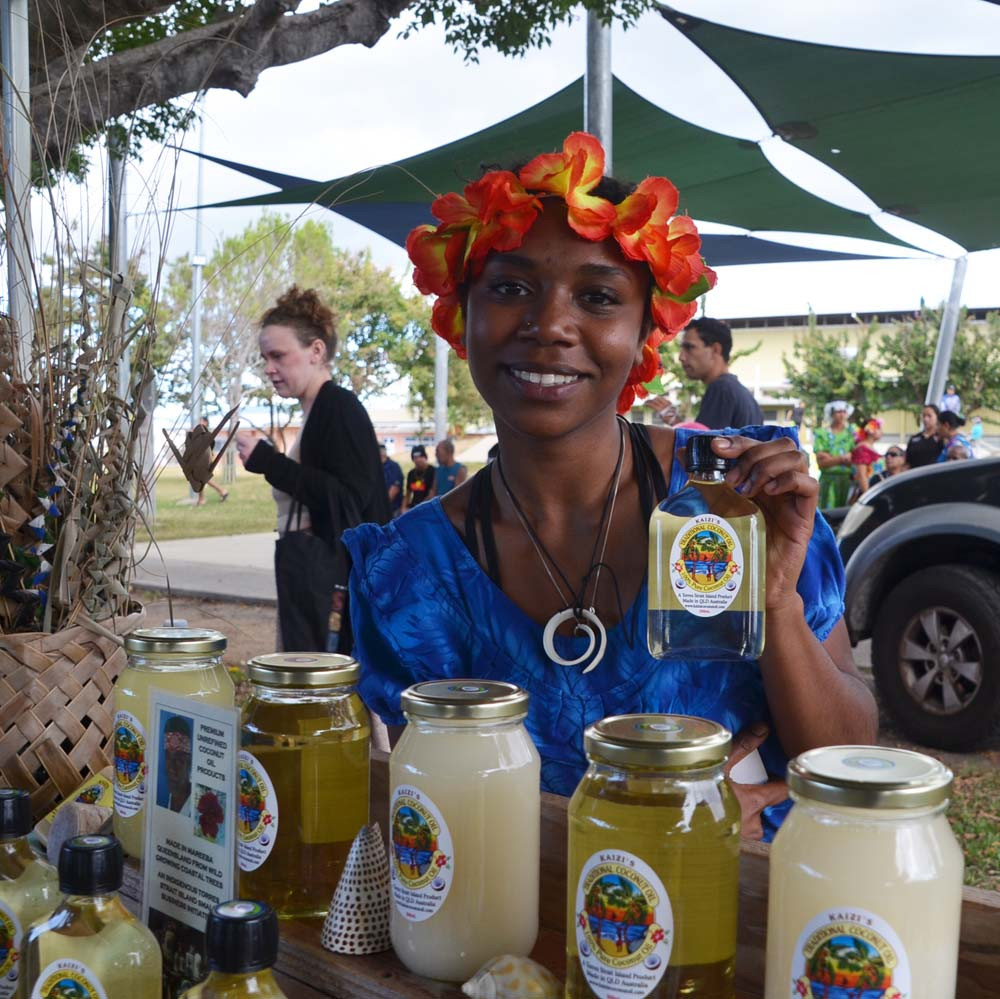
(56,714)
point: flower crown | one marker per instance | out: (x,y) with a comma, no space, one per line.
(497,211)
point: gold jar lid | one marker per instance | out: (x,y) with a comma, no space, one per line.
(303,669)
(869,777)
(668,741)
(464,699)
(175,641)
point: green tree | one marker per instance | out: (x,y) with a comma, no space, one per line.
(827,365)
(466,407)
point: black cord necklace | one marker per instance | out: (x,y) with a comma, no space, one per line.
(587,621)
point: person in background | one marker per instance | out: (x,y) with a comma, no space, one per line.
(924,446)
(951,401)
(958,452)
(393,481)
(450,473)
(419,480)
(952,437)
(223,493)
(833,446)
(895,462)
(865,459)
(976,435)
(705,348)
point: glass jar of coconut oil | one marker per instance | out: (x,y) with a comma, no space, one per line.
(464,816)
(866,879)
(652,881)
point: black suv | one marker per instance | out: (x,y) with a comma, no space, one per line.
(922,552)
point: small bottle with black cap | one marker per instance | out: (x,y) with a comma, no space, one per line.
(241,939)
(29,886)
(707,554)
(91,945)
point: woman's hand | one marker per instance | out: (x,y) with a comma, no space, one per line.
(245,443)
(753,798)
(775,475)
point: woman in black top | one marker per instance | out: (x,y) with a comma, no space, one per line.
(924,447)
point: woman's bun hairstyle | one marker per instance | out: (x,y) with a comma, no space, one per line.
(305,313)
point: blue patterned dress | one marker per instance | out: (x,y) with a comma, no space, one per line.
(422,608)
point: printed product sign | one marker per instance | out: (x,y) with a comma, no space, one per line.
(422,865)
(258,813)
(848,953)
(130,764)
(10,947)
(624,925)
(67,978)
(706,565)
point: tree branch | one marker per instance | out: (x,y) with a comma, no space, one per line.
(229,54)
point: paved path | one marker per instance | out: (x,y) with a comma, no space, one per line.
(234,567)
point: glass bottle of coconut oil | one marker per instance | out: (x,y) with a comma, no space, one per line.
(706,566)
(29,887)
(91,945)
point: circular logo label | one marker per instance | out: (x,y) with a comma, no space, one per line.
(657,727)
(238,909)
(850,952)
(67,979)
(868,763)
(423,864)
(624,925)
(10,946)
(467,688)
(130,764)
(300,659)
(95,840)
(258,813)
(706,565)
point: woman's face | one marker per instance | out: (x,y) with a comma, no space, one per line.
(554,327)
(929,419)
(839,419)
(290,366)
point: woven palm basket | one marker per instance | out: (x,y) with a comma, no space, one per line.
(56,715)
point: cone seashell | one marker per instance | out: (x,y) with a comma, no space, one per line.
(509,977)
(358,920)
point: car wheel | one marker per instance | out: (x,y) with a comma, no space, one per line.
(936,655)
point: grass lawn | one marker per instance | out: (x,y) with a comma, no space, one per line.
(975,818)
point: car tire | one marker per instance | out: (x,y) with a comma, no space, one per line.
(929,634)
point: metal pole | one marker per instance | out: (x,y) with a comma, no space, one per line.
(197,264)
(946,338)
(17,175)
(597,106)
(441,350)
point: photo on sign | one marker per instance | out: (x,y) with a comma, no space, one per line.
(210,814)
(173,788)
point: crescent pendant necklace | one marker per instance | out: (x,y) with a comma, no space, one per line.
(587,621)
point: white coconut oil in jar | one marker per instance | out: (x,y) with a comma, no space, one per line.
(464,815)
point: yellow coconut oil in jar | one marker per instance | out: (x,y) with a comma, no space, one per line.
(186,662)
(303,776)
(652,881)
(865,894)
(464,818)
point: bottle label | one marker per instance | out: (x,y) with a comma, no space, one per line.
(706,565)
(258,813)
(624,925)
(10,951)
(423,865)
(68,978)
(849,952)
(130,764)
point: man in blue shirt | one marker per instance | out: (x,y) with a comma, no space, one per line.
(450,473)
(393,481)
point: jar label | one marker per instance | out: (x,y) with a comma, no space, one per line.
(258,813)
(68,978)
(130,764)
(706,565)
(10,951)
(624,925)
(423,864)
(849,952)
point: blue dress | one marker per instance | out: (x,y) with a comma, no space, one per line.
(422,608)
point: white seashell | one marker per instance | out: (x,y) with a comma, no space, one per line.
(509,977)
(358,920)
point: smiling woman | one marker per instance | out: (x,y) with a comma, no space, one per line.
(559,285)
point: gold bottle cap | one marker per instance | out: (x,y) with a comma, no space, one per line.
(175,641)
(668,741)
(303,669)
(869,777)
(464,699)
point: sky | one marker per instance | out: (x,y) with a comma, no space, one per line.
(355,107)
